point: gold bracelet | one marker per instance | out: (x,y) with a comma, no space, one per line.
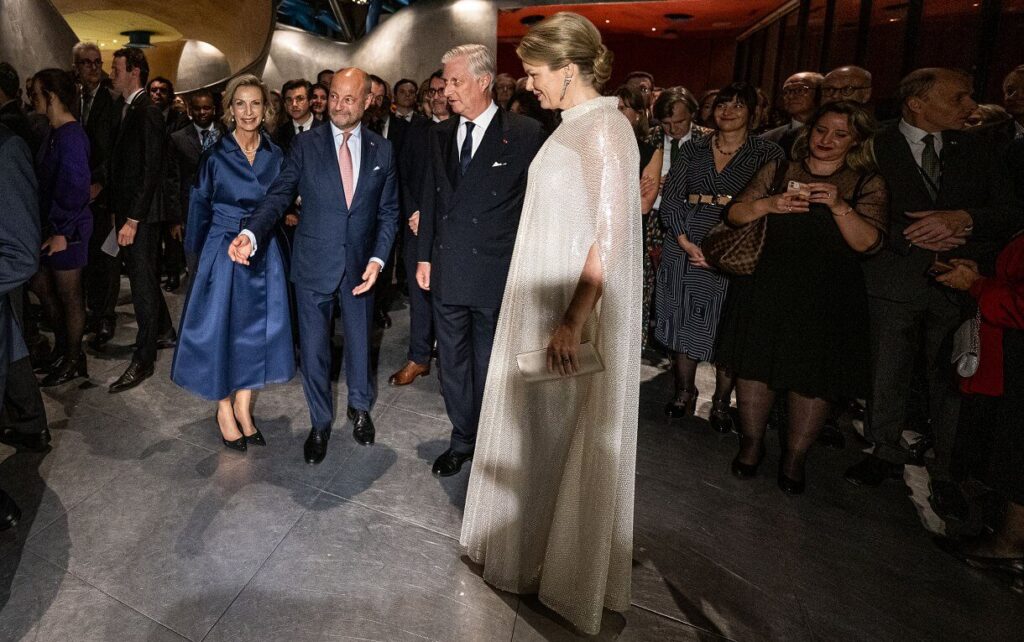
(845,212)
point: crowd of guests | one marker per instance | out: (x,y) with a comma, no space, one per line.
(879,247)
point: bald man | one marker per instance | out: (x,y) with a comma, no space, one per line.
(846,83)
(345,175)
(799,99)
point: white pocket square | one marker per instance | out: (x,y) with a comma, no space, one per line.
(376,168)
(497,164)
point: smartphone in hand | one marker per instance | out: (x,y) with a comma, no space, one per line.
(802,190)
(939,267)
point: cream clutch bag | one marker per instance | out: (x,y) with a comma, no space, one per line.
(534,365)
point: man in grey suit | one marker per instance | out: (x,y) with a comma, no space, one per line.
(950,198)
(19,257)
(800,95)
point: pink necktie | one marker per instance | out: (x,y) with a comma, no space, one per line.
(345,161)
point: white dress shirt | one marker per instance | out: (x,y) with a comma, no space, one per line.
(914,136)
(355,148)
(200,130)
(306,126)
(130,100)
(481,123)
(666,159)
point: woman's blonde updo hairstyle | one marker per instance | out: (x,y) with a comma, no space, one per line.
(246,80)
(568,38)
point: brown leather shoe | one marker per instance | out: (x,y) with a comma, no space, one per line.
(408,373)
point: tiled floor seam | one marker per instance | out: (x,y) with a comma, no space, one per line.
(96,588)
(680,622)
(395,517)
(257,571)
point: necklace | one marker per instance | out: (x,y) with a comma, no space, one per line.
(722,151)
(249,152)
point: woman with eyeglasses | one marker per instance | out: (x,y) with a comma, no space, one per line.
(707,173)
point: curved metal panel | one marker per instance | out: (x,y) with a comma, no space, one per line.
(34,36)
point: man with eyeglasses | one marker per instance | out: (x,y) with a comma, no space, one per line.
(799,99)
(439,110)
(846,83)
(100,117)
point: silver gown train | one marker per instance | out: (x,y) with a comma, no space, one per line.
(550,503)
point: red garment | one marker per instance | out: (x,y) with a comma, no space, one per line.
(1001,300)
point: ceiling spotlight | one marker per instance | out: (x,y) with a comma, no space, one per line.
(607,21)
(654,28)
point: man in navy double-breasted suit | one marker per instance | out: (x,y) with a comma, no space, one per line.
(345,175)
(472,197)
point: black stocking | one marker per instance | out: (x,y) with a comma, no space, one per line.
(725,382)
(686,374)
(806,417)
(41,284)
(72,302)
(755,400)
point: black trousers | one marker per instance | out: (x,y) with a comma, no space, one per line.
(421,315)
(23,408)
(172,255)
(899,331)
(102,276)
(151,314)
(465,336)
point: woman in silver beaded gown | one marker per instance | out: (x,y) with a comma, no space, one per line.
(550,503)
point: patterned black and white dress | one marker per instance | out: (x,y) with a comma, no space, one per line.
(689,299)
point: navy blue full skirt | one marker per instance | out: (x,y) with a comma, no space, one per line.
(235,331)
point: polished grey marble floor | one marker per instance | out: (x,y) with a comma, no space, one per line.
(139,525)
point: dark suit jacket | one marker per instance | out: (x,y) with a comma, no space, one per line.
(183,151)
(101,128)
(413,164)
(333,243)
(973,179)
(175,120)
(468,224)
(397,131)
(285,133)
(784,137)
(12,116)
(136,172)
(19,241)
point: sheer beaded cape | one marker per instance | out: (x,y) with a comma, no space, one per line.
(550,503)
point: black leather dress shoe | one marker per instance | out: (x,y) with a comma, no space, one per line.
(10,514)
(104,333)
(133,376)
(168,340)
(382,319)
(362,427)
(315,448)
(450,463)
(872,471)
(948,501)
(173,283)
(38,442)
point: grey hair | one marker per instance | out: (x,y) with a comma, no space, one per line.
(480,60)
(82,47)
(920,81)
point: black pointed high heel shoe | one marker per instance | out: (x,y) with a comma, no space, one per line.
(746,471)
(721,417)
(68,370)
(235,444)
(255,438)
(789,485)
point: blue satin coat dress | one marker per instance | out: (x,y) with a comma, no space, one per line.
(235,331)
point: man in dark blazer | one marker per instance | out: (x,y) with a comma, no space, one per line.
(184,150)
(11,113)
(295,95)
(20,402)
(469,216)
(346,176)
(100,117)
(949,197)
(134,182)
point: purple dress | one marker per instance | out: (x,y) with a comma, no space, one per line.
(64,179)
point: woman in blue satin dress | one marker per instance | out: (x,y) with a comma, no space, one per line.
(235,334)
